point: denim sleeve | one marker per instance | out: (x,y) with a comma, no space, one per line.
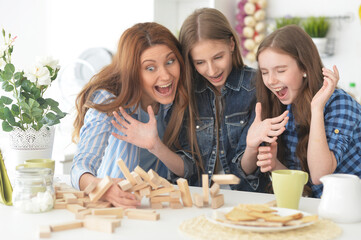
(189,166)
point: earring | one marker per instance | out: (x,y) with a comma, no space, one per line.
(304,75)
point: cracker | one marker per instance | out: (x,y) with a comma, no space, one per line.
(237,215)
(310,218)
(260,208)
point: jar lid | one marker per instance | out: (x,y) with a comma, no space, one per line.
(29,172)
(352,84)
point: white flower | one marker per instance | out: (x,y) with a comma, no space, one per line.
(2,64)
(39,74)
(48,61)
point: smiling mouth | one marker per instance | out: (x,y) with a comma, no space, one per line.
(216,78)
(164,89)
(281,92)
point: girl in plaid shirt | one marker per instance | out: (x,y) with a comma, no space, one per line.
(306,121)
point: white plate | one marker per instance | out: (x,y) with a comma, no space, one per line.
(280,211)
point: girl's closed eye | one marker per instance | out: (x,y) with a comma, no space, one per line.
(198,62)
(218,57)
(264,73)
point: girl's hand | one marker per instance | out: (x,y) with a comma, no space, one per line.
(267,157)
(329,84)
(143,135)
(118,198)
(267,130)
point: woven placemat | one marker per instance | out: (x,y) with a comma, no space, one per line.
(201,228)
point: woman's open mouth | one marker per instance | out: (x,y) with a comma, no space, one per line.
(165,90)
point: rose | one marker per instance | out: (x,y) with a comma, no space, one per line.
(30,108)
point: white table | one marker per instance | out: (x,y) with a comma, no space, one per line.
(17,225)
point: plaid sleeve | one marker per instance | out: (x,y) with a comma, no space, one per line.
(342,114)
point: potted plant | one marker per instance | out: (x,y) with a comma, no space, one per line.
(287,20)
(28,116)
(317,28)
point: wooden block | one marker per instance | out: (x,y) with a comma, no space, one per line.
(143,215)
(91,186)
(60,205)
(137,178)
(125,185)
(186,195)
(214,189)
(161,191)
(138,187)
(126,172)
(160,199)
(70,198)
(74,208)
(78,194)
(198,200)
(175,194)
(66,226)
(225,179)
(145,191)
(82,213)
(117,211)
(156,205)
(138,196)
(217,201)
(205,187)
(100,189)
(143,174)
(101,224)
(126,211)
(44,231)
(154,178)
(103,216)
(165,182)
(175,205)
(98,204)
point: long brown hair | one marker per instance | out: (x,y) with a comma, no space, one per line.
(122,78)
(296,43)
(203,24)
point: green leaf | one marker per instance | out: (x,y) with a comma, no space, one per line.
(15,109)
(25,107)
(51,116)
(52,103)
(58,111)
(42,102)
(9,88)
(9,68)
(5,100)
(36,92)
(9,116)
(6,126)
(2,115)
(33,103)
(26,85)
(18,75)
(27,119)
(36,113)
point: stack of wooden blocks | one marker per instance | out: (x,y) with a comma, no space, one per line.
(94,214)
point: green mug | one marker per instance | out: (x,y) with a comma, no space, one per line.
(288,187)
(38,163)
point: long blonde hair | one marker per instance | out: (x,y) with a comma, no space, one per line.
(122,78)
(203,24)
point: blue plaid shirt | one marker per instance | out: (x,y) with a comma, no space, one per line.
(343,132)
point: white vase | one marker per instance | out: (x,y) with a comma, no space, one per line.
(29,144)
(321,44)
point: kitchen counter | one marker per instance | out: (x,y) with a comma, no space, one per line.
(17,225)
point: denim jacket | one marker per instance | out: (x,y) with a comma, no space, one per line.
(238,113)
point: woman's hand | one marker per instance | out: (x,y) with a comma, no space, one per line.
(267,130)
(118,198)
(329,84)
(267,157)
(143,135)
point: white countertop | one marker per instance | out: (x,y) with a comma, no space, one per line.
(17,225)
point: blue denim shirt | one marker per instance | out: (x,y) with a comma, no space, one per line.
(239,100)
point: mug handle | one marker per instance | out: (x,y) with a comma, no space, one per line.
(306,178)
(20,165)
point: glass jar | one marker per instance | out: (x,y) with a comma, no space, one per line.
(33,190)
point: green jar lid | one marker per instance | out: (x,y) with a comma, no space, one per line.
(352,84)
